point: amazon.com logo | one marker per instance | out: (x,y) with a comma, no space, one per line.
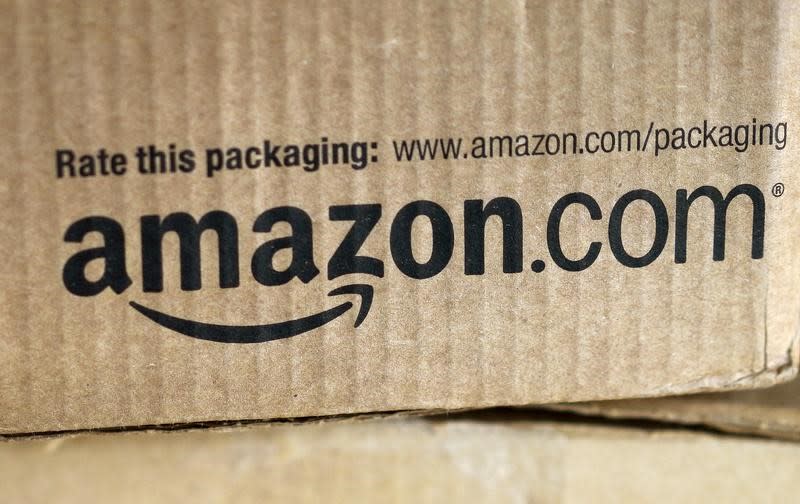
(347,259)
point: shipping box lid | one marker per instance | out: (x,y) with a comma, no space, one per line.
(244,211)
(464,460)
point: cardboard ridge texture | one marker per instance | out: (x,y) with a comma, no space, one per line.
(238,211)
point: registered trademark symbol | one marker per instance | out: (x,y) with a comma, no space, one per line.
(777,190)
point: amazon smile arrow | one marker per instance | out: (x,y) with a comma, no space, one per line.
(266,332)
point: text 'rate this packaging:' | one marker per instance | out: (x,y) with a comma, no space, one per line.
(239,212)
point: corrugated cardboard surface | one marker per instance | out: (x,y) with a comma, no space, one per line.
(402,461)
(92,75)
(773,412)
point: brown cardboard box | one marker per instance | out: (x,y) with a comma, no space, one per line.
(619,221)
(463,460)
(773,412)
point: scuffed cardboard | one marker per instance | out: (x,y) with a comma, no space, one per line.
(773,412)
(97,97)
(402,461)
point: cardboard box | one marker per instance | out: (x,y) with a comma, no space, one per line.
(199,203)
(773,412)
(465,460)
